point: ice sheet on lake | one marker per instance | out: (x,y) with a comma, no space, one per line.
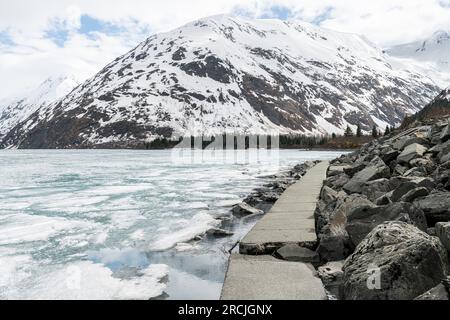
(108,212)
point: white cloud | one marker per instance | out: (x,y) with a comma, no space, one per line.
(35,56)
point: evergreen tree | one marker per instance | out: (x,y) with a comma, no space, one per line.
(348,132)
(359,131)
(387,131)
(333,135)
(374,131)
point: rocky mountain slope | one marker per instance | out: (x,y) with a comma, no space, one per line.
(437,109)
(226,74)
(384,215)
(16,110)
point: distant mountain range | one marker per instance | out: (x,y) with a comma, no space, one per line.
(16,110)
(226,74)
(432,55)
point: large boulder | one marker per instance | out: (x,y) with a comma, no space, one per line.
(322,215)
(352,170)
(328,195)
(403,189)
(443,233)
(338,219)
(334,241)
(388,155)
(413,194)
(368,174)
(334,170)
(440,147)
(337,181)
(411,152)
(436,207)
(395,261)
(362,220)
(376,188)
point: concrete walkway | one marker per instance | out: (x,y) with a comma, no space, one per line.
(290,221)
(267,278)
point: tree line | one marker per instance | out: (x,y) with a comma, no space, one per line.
(375,131)
(262,141)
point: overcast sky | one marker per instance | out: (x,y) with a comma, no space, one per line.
(40,38)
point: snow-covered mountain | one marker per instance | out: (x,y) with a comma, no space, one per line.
(226,74)
(432,55)
(15,110)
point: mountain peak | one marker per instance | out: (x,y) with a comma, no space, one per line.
(14,110)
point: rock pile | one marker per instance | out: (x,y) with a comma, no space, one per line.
(385,210)
(261,200)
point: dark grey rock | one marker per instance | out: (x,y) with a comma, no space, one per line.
(376,188)
(328,195)
(384,199)
(338,218)
(424,182)
(389,155)
(413,194)
(352,170)
(440,147)
(334,246)
(270,196)
(362,220)
(337,182)
(368,174)
(334,170)
(445,135)
(334,241)
(406,261)
(436,207)
(403,189)
(444,157)
(217,232)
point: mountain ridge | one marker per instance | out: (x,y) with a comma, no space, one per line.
(225,74)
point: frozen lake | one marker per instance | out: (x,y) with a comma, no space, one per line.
(95,224)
